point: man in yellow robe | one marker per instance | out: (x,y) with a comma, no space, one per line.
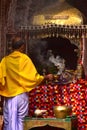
(18,76)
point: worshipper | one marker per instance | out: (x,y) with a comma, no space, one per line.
(18,76)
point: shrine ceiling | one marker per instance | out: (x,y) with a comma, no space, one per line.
(81,5)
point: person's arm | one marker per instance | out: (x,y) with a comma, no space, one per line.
(48,77)
(32,74)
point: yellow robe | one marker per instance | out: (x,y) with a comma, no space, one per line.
(17,74)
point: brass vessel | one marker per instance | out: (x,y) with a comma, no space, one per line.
(62,111)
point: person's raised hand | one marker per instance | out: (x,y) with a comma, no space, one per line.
(49,77)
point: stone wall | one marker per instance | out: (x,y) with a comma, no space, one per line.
(21,11)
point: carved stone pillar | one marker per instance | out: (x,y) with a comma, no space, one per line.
(2,29)
(85,55)
(11,17)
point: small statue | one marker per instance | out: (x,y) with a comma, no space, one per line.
(58,62)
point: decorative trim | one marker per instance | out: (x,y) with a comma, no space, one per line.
(54,30)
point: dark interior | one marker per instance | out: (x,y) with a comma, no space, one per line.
(60,46)
(47,127)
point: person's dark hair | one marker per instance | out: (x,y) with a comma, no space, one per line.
(17,43)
